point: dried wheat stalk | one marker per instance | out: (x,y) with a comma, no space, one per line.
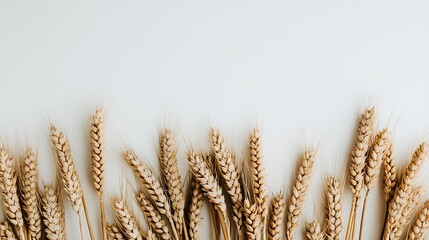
(277,210)
(126,219)
(421,224)
(29,195)
(252,220)
(299,192)
(258,174)
(228,170)
(53,214)
(10,198)
(152,216)
(390,177)
(333,209)
(6,231)
(313,231)
(194,210)
(402,193)
(210,187)
(97,160)
(168,161)
(409,210)
(114,232)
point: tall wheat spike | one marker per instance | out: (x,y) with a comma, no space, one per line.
(6,231)
(334,207)
(30,194)
(299,191)
(403,192)
(195,206)
(230,175)
(421,224)
(168,161)
(210,187)
(126,219)
(53,213)
(277,210)
(390,177)
(313,231)
(97,160)
(152,217)
(115,232)
(10,198)
(252,220)
(258,174)
(409,210)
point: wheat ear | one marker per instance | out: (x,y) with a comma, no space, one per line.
(53,214)
(403,192)
(421,224)
(10,198)
(313,231)
(372,170)
(114,232)
(277,210)
(97,161)
(152,216)
(390,177)
(168,161)
(252,220)
(126,219)
(29,194)
(334,207)
(210,187)
(230,175)
(196,201)
(409,209)
(363,139)
(299,192)
(6,231)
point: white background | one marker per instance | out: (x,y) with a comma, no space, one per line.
(300,71)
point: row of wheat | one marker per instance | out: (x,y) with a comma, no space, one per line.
(236,194)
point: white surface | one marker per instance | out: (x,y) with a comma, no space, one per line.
(302,71)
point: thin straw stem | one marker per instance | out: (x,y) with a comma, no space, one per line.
(363,215)
(88,221)
(103,219)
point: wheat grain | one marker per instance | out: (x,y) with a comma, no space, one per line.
(252,220)
(333,209)
(277,210)
(151,235)
(230,175)
(299,192)
(115,232)
(313,231)
(10,198)
(152,216)
(194,210)
(168,161)
(53,213)
(6,231)
(421,224)
(390,177)
(29,195)
(126,219)
(403,192)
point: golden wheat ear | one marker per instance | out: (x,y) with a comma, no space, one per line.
(126,219)
(53,213)
(334,207)
(6,231)
(313,231)
(10,197)
(29,189)
(252,220)
(194,207)
(390,172)
(114,232)
(421,225)
(277,210)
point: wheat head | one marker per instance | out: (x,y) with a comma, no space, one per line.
(126,219)
(277,210)
(333,209)
(375,159)
(114,232)
(421,224)
(390,177)
(196,201)
(97,150)
(252,220)
(313,231)
(53,214)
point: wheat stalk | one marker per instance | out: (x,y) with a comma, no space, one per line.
(168,161)
(364,134)
(53,214)
(210,187)
(299,192)
(196,201)
(421,224)
(97,161)
(390,177)
(313,231)
(277,210)
(114,232)
(29,195)
(409,210)
(252,220)
(333,209)
(230,175)
(10,198)
(402,193)
(126,219)
(153,218)
(258,174)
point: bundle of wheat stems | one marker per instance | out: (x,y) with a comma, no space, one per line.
(235,193)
